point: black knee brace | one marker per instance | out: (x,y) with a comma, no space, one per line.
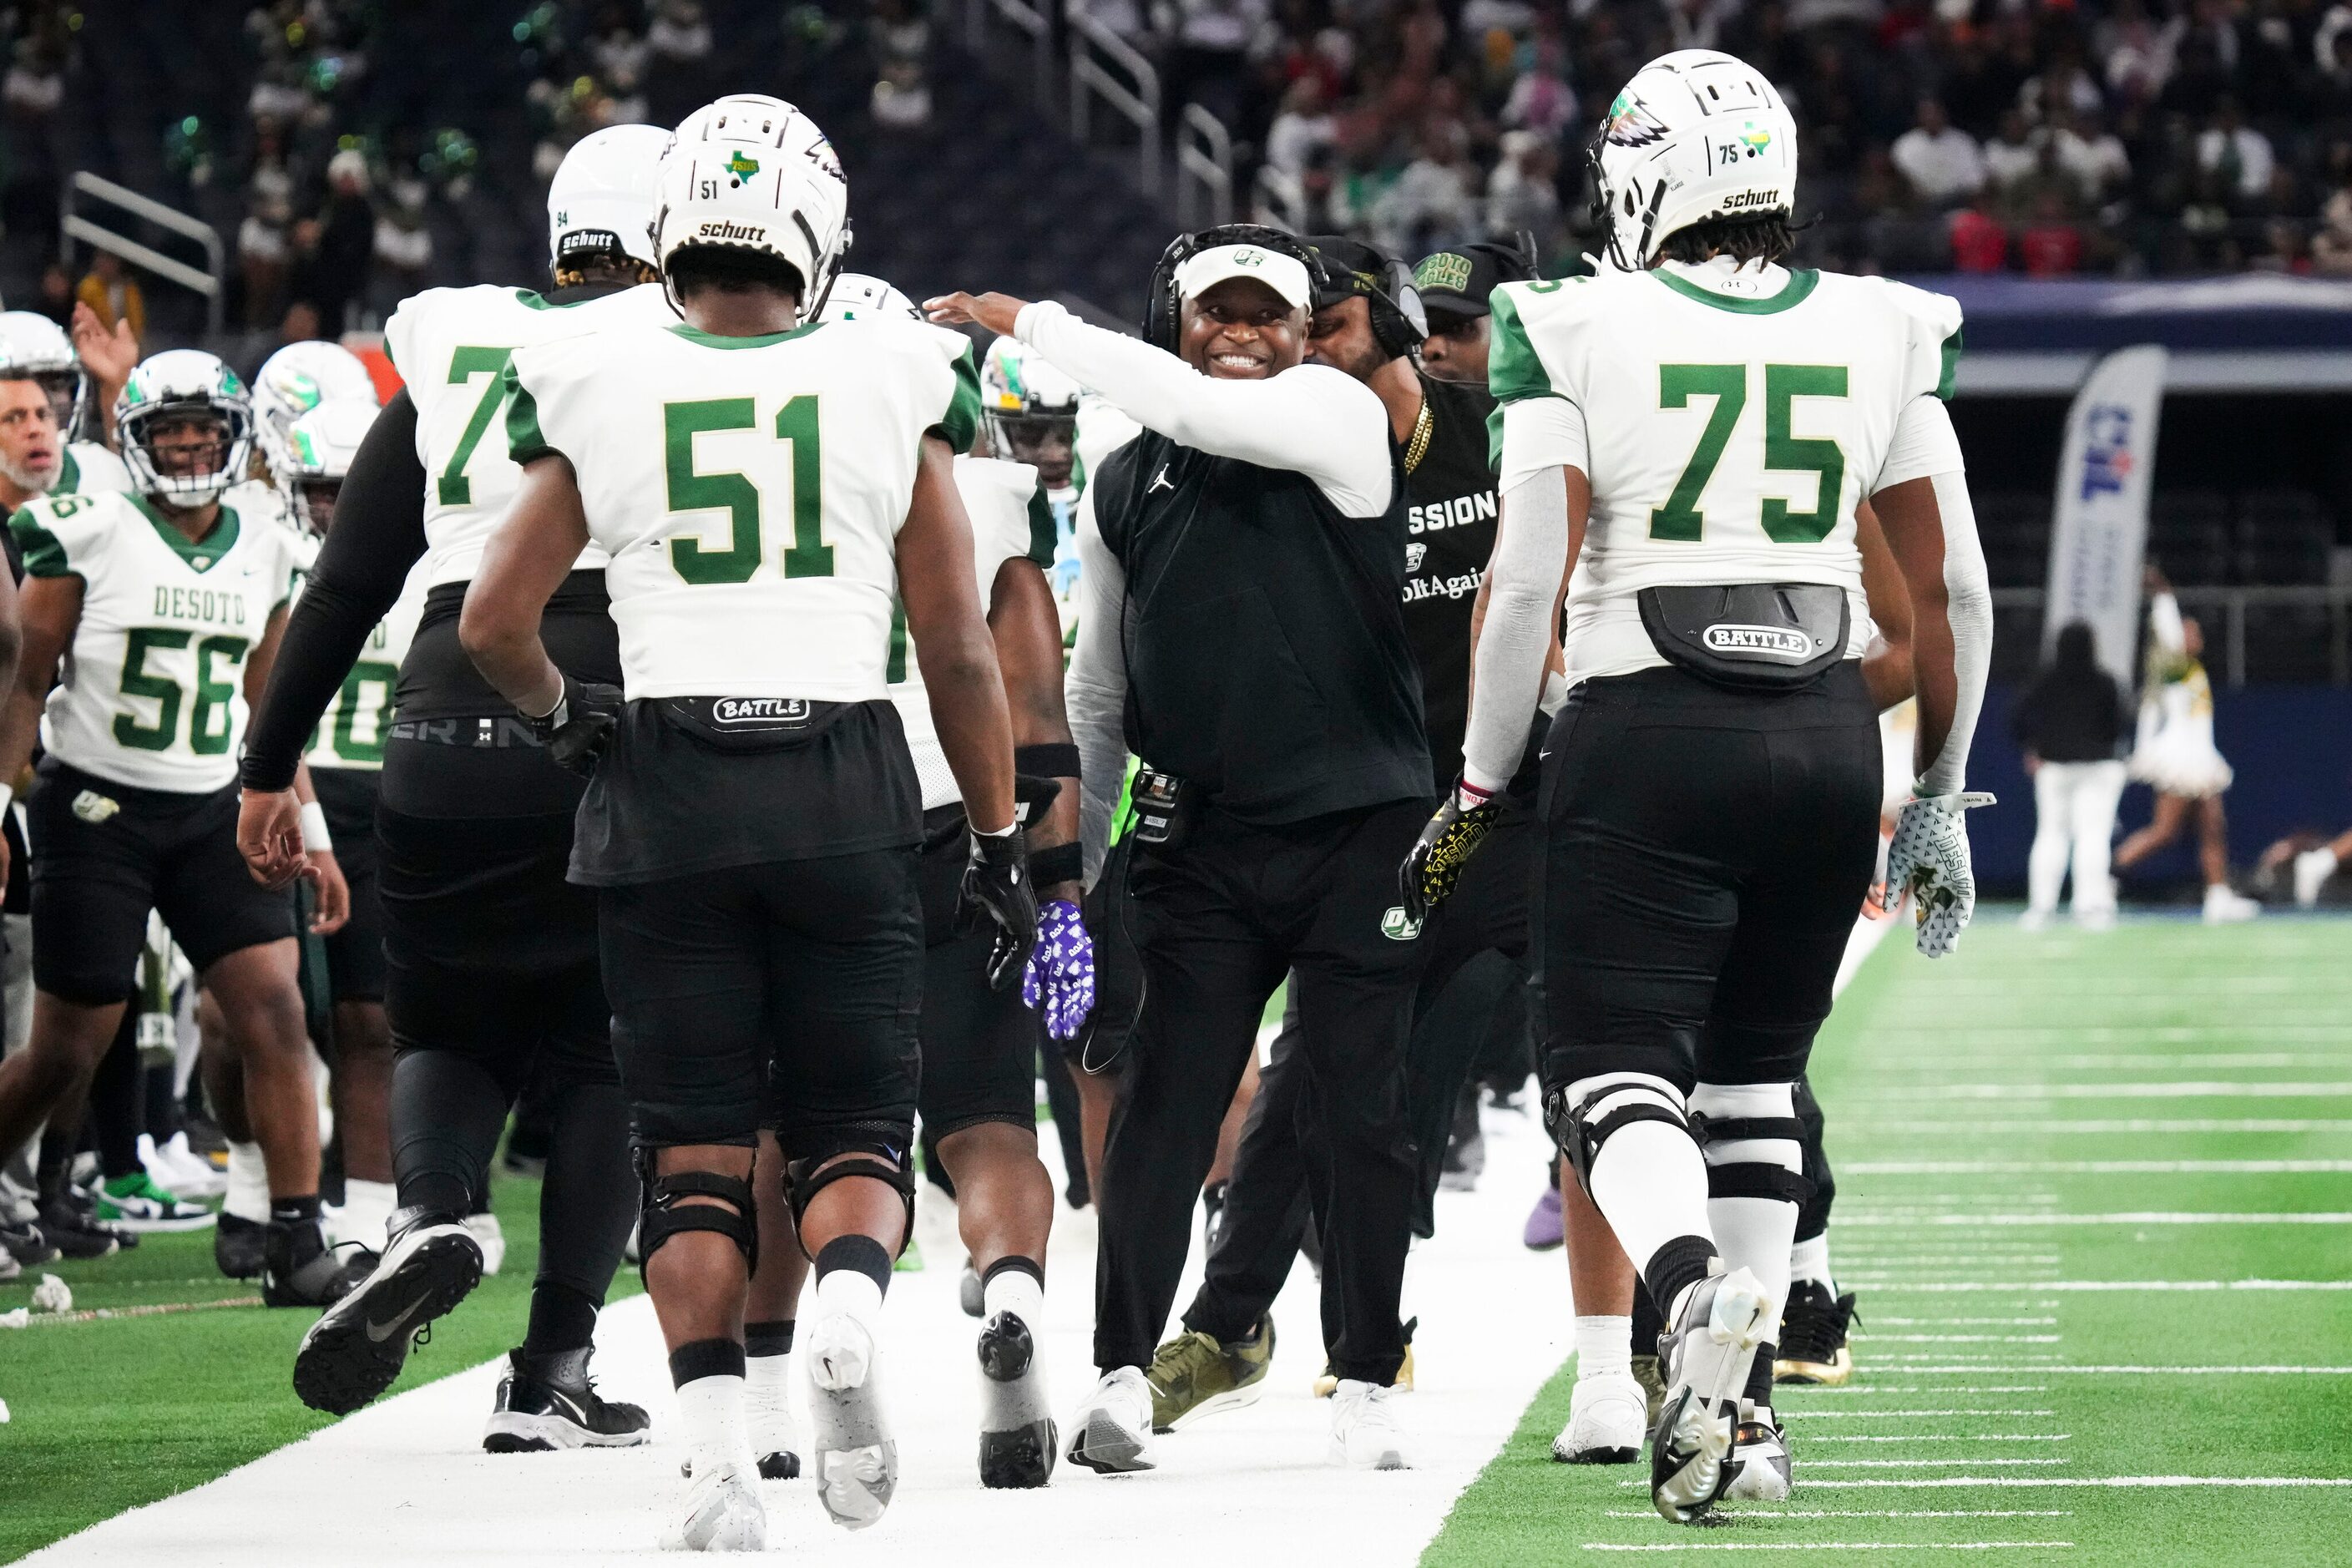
(850,1154)
(661,1216)
(1578,1131)
(1751,1178)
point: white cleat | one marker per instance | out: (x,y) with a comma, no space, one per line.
(491,1237)
(1707,1355)
(857,1460)
(1017,1436)
(1365,1433)
(1760,1458)
(1608,1415)
(2225,907)
(2036,920)
(723,1511)
(1112,1425)
(775,1433)
(2311,869)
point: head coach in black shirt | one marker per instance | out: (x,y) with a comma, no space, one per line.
(1243,567)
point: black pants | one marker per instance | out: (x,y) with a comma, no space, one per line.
(1707,852)
(1219,922)
(1813,1217)
(1268,1205)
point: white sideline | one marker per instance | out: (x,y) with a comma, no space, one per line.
(403,1482)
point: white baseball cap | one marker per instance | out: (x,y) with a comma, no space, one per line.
(1285,275)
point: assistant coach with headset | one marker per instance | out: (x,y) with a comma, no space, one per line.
(1242,560)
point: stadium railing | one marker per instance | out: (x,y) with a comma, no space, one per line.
(2298,634)
(86,188)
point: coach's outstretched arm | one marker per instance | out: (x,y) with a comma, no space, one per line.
(1309,419)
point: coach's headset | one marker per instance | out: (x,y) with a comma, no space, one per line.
(1399,323)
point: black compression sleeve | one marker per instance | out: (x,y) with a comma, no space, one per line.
(378,534)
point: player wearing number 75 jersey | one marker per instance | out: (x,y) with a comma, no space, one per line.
(157,612)
(765,483)
(1686,437)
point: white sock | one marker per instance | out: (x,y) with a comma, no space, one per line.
(367,1210)
(1811,1260)
(1754,1234)
(851,1294)
(1017,1291)
(1651,1184)
(711,1411)
(248,1183)
(768,1372)
(1604,1345)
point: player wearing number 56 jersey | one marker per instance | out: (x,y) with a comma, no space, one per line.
(765,483)
(1691,432)
(158,613)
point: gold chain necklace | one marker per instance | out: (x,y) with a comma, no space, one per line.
(1423,426)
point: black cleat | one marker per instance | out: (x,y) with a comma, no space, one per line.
(1813,1329)
(76,1232)
(300,1269)
(356,1348)
(237,1245)
(25,1242)
(547,1401)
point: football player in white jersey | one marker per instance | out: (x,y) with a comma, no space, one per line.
(1691,432)
(32,348)
(493,983)
(764,483)
(161,610)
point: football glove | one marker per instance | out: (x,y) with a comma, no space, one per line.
(576,731)
(1060,980)
(1435,864)
(1929,859)
(997,889)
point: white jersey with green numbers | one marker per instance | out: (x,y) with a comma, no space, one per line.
(151,692)
(1009,521)
(749,491)
(1733,420)
(351,733)
(451,346)
(89,470)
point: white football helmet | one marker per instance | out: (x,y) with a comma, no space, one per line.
(309,464)
(299,378)
(35,348)
(602,194)
(183,384)
(857,295)
(755,173)
(1695,135)
(1018,388)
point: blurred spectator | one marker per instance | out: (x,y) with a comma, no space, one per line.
(1524,193)
(2091,156)
(2050,245)
(263,242)
(2010,156)
(2331,248)
(678,31)
(1303,129)
(2230,148)
(1432,206)
(1205,65)
(1541,100)
(403,245)
(109,290)
(901,40)
(1940,160)
(335,249)
(29,96)
(1979,242)
(56,301)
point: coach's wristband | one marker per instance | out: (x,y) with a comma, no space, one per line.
(1062,863)
(315,836)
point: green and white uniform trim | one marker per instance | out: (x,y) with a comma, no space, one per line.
(89,469)
(151,693)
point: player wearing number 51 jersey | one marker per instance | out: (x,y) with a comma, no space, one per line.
(765,483)
(1690,432)
(157,612)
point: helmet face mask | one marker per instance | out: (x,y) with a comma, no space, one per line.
(1031,411)
(1697,136)
(309,464)
(297,379)
(754,174)
(186,423)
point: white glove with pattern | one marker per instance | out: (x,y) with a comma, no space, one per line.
(1929,857)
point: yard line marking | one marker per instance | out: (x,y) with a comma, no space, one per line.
(2095,1167)
(1941,1438)
(2045,1370)
(1997,1322)
(1887,1220)
(1960,1339)
(1922,1388)
(1955,1287)
(1824,1546)
(2191,1089)
(1973,1129)
(2163,1481)
(1806,1466)
(1871,1513)
(1889,1415)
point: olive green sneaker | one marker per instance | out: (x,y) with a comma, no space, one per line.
(1194,1375)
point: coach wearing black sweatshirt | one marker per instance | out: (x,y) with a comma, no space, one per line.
(1242,562)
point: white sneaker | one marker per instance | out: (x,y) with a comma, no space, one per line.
(1759,1458)
(1707,1355)
(2311,869)
(1608,1415)
(723,1511)
(490,1237)
(856,1461)
(2036,920)
(175,1165)
(2224,907)
(775,1431)
(1365,1433)
(2098,917)
(1112,1425)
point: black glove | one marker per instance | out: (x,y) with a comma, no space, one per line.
(996,888)
(577,729)
(1427,877)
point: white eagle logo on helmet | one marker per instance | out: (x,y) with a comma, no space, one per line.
(1630,123)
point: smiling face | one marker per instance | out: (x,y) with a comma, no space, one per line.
(31,452)
(1241,329)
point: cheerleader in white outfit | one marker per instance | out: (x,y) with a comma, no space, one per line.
(2175,754)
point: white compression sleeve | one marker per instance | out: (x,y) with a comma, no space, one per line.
(1310,419)
(1523,578)
(1968,593)
(1095,690)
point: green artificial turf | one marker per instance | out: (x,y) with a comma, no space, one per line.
(110,1413)
(1999,1057)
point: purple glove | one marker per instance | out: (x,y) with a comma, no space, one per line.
(1060,979)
